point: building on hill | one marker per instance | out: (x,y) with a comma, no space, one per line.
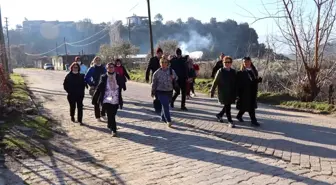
(35,25)
(135,20)
(60,61)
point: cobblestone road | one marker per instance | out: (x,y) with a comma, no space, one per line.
(289,148)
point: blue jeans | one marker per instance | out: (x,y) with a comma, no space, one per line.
(164,99)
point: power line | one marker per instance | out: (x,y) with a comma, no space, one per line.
(89,37)
(73,43)
(39,54)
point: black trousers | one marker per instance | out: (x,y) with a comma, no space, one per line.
(111,111)
(227,110)
(182,89)
(251,113)
(73,102)
(99,111)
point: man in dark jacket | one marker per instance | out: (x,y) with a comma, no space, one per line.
(179,64)
(219,65)
(92,78)
(154,63)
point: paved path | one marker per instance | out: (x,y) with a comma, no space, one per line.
(299,148)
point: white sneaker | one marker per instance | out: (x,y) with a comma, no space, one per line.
(98,119)
(104,118)
(169,124)
(114,134)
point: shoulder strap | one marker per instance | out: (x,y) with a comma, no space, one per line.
(171,71)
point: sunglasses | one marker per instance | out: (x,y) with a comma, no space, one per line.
(110,66)
(227,62)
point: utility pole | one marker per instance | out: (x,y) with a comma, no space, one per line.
(129,30)
(56,49)
(9,63)
(150,28)
(66,52)
(3,54)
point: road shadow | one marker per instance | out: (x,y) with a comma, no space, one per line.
(166,142)
(297,131)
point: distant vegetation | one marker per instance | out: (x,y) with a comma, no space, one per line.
(214,37)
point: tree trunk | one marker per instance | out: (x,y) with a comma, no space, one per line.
(310,88)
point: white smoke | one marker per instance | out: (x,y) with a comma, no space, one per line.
(195,43)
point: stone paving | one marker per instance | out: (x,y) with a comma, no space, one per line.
(289,148)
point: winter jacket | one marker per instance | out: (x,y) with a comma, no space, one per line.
(93,75)
(162,80)
(74,84)
(153,65)
(225,82)
(98,96)
(180,66)
(247,81)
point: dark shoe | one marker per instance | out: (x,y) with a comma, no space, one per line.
(172,105)
(73,119)
(240,119)
(184,109)
(255,123)
(81,123)
(219,118)
(231,124)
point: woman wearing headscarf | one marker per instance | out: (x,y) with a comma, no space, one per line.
(225,80)
(247,80)
(162,88)
(74,84)
(108,94)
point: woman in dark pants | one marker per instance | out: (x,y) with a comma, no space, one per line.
(74,84)
(247,80)
(225,79)
(108,94)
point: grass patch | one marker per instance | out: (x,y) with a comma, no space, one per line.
(137,75)
(319,107)
(20,93)
(275,98)
(203,85)
(282,99)
(24,135)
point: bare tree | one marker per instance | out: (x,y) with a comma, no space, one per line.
(118,49)
(307,34)
(168,46)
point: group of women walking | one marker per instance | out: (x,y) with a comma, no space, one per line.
(169,74)
(106,84)
(237,87)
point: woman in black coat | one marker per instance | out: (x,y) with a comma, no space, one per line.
(108,94)
(74,84)
(247,80)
